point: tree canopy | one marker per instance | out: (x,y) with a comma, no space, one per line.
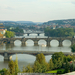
(11,67)
(73,48)
(58,59)
(61,32)
(17,29)
(40,64)
(9,34)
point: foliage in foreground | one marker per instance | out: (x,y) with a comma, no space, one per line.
(57,71)
(59,63)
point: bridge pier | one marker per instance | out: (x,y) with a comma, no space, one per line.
(0,42)
(38,34)
(11,42)
(23,43)
(27,34)
(60,44)
(35,43)
(6,57)
(48,43)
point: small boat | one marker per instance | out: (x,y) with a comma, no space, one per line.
(43,45)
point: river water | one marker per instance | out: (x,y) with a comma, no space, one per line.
(25,59)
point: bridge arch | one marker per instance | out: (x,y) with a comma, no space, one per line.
(5,41)
(26,57)
(54,42)
(29,42)
(66,42)
(17,42)
(42,42)
(1,57)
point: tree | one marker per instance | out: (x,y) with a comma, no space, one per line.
(58,59)
(11,67)
(51,65)
(9,34)
(67,67)
(29,69)
(40,58)
(40,64)
(69,58)
(17,30)
(44,67)
(55,64)
(59,65)
(16,66)
(72,67)
(73,57)
(59,32)
(37,67)
(24,69)
(73,48)
(4,72)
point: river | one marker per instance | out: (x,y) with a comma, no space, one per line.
(25,59)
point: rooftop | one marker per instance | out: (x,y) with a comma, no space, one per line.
(1,29)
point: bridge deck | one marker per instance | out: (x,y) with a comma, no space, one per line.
(32,52)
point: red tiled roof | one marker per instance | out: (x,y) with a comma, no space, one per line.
(1,29)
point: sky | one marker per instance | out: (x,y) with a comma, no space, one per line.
(37,10)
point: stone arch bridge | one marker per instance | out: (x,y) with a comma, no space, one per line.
(7,54)
(38,33)
(23,40)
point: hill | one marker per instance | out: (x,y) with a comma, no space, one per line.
(11,23)
(24,21)
(61,22)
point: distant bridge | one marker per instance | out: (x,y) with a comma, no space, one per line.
(7,54)
(28,33)
(34,32)
(35,40)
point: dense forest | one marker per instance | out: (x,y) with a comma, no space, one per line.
(61,32)
(17,30)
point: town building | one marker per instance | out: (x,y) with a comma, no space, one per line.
(2,31)
(1,35)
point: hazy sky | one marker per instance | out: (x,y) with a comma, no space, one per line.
(37,10)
